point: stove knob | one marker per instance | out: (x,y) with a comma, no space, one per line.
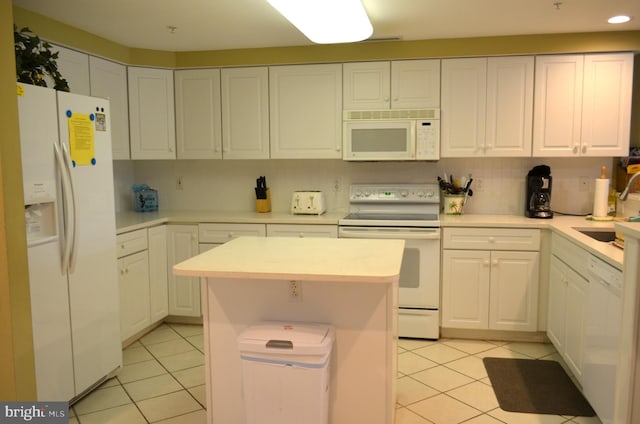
(421,194)
(367,194)
(404,193)
(358,193)
(429,193)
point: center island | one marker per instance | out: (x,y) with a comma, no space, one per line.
(350,284)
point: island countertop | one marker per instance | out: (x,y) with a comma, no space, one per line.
(310,259)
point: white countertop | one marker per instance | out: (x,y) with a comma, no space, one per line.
(303,259)
(564,225)
(130,221)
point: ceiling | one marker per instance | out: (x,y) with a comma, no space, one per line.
(234,24)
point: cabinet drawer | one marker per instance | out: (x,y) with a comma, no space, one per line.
(491,238)
(222,233)
(132,242)
(570,253)
(297,230)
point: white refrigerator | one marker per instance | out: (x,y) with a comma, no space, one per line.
(70,221)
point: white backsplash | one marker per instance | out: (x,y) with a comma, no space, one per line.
(227,185)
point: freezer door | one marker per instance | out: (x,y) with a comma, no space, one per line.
(84,124)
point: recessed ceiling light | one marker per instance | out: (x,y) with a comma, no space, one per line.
(620,19)
(327,21)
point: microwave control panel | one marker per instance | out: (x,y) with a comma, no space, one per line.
(428,139)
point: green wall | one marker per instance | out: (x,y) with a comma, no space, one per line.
(485,46)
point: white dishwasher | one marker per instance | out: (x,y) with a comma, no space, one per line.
(602,337)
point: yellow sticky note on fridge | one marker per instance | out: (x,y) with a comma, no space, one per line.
(81,139)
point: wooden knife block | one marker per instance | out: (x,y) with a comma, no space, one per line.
(264,205)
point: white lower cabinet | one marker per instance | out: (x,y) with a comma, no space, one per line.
(568,288)
(158,282)
(142,270)
(490,278)
(302,230)
(184,292)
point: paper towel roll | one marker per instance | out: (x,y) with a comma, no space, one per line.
(601,198)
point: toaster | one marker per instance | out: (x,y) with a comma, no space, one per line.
(308,203)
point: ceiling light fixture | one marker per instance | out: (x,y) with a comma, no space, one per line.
(327,21)
(620,19)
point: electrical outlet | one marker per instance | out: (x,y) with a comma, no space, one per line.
(337,185)
(179,185)
(583,184)
(295,291)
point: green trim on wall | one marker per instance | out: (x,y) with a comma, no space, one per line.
(69,36)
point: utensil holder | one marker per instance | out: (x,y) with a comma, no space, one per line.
(264,205)
(453,204)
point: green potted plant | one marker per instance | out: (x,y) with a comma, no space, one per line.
(34,60)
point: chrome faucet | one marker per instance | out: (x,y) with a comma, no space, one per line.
(627,189)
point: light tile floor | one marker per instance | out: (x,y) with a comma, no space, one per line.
(439,382)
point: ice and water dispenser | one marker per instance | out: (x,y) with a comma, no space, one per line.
(286,369)
(40,211)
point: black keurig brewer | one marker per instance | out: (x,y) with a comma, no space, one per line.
(538,201)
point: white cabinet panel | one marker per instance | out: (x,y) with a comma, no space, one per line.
(415,84)
(74,67)
(367,85)
(245,113)
(306,111)
(151,113)
(198,116)
(158,281)
(583,105)
(109,80)
(134,293)
(299,230)
(184,292)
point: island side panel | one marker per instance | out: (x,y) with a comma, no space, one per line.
(363,368)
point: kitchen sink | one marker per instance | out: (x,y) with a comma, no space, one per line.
(605,235)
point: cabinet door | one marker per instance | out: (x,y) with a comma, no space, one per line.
(306,111)
(465,288)
(575,325)
(109,80)
(134,293)
(151,113)
(464,98)
(366,85)
(509,106)
(287,230)
(158,282)
(514,291)
(606,104)
(184,292)
(198,119)
(557,115)
(74,67)
(415,84)
(245,113)
(557,303)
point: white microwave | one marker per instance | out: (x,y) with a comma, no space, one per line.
(394,134)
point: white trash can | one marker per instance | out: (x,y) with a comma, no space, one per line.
(285,368)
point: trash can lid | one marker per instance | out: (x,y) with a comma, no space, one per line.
(293,337)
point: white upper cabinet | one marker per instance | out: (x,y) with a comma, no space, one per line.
(487,106)
(245,113)
(151,113)
(402,84)
(464,102)
(109,80)
(198,116)
(583,105)
(415,84)
(306,111)
(74,67)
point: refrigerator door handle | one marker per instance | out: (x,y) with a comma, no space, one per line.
(74,210)
(66,239)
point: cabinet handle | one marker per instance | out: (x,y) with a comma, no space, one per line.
(485,263)
(301,235)
(170,149)
(122,246)
(122,271)
(492,239)
(230,235)
(584,149)
(575,150)
(494,262)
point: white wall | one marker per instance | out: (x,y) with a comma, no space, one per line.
(499,183)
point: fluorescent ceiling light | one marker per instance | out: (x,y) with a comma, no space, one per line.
(327,21)
(620,19)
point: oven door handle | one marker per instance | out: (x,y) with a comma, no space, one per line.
(368,233)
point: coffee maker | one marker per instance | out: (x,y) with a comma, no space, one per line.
(538,201)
